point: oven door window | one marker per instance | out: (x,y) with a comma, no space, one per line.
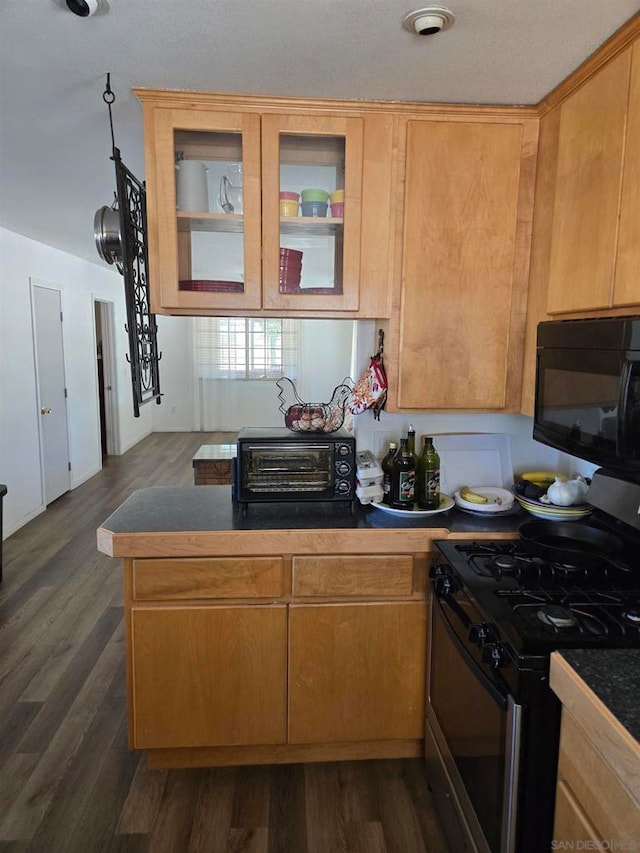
(579,406)
(473,720)
(273,468)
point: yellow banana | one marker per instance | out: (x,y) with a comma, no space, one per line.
(473,497)
(542,478)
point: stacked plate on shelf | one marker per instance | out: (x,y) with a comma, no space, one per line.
(550,511)
(290,270)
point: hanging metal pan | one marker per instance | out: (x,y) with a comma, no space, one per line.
(106,232)
(571,541)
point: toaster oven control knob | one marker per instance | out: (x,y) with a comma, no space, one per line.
(343,450)
(493,654)
(342,487)
(482,633)
(343,468)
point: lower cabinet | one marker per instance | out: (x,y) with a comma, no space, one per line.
(318,657)
(356,672)
(594,807)
(208,676)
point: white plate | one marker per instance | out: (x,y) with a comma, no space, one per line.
(491,492)
(468,458)
(514,509)
(446,503)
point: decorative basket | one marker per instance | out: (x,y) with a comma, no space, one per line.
(312,417)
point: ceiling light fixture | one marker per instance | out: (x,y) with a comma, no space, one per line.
(83,8)
(428,21)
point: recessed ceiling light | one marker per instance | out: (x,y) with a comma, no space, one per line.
(430,20)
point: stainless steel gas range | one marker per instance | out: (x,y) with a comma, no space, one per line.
(498,610)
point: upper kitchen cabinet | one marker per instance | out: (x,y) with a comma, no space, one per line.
(594,253)
(465,247)
(266,206)
(626,288)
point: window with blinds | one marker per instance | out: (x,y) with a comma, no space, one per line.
(245,348)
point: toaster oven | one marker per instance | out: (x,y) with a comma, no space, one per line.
(275,464)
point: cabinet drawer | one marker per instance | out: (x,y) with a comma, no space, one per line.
(222,577)
(354,575)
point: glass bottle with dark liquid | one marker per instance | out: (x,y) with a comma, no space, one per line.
(428,476)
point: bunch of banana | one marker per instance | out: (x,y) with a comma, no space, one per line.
(468,494)
(542,478)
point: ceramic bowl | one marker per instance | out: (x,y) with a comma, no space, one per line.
(314,208)
(314,195)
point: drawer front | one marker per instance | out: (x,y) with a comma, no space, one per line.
(353,575)
(222,577)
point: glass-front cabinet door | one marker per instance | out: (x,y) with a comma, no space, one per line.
(206,223)
(311,209)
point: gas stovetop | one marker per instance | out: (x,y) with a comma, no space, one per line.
(537,605)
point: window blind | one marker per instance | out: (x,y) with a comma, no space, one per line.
(245,348)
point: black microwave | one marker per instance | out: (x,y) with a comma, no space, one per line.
(587,398)
(276,464)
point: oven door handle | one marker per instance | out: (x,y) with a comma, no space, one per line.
(499,697)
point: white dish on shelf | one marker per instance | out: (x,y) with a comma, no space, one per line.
(446,503)
(493,493)
(468,458)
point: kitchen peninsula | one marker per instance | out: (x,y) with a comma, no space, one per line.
(289,632)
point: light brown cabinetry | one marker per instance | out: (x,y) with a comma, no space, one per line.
(356,672)
(226,259)
(592,803)
(274,658)
(468,188)
(200,673)
(598,790)
(589,173)
(585,253)
(626,288)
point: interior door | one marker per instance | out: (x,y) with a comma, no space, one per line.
(52,402)
(104,325)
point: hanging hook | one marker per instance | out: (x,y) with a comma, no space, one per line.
(109,97)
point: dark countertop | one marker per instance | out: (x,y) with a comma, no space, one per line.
(614,676)
(209,508)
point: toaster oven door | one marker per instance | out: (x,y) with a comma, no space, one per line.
(281,471)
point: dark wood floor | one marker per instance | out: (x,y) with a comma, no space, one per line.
(67,779)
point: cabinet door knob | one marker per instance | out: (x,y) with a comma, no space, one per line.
(45,410)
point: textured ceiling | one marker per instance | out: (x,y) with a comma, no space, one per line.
(54,135)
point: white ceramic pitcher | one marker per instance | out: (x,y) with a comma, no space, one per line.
(192,193)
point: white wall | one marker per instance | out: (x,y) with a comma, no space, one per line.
(219,404)
(175,412)
(79,281)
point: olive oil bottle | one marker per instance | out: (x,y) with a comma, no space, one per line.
(403,477)
(428,476)
(387,469)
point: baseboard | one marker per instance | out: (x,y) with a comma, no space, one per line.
(9,530)
(84,477)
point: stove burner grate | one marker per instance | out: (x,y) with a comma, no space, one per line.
(556,616)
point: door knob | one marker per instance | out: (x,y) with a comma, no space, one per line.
(108,388)
(45,410)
